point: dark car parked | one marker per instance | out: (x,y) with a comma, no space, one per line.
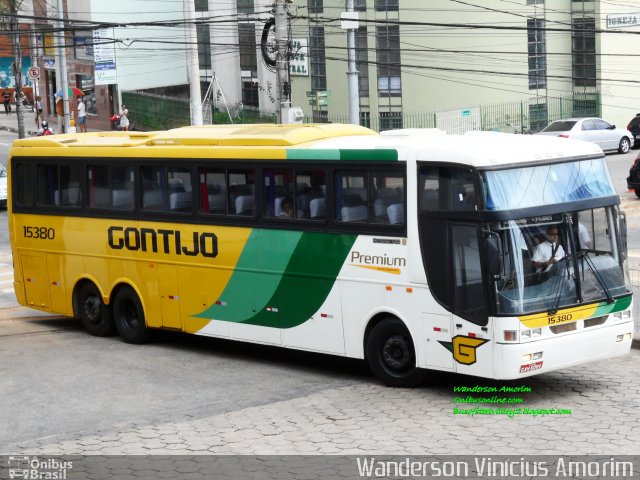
(634,128)
(633,180)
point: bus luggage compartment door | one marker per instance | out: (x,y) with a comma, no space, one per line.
(35,277)
(169,296)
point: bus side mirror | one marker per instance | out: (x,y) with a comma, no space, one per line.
(494,255)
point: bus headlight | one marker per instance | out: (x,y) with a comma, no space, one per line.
(623,337)
(621,315)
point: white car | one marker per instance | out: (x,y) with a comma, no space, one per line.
(594,130)
(3,186)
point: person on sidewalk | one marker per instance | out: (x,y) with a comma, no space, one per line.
(124,118)
(6,99)
(82,115)
(38,107)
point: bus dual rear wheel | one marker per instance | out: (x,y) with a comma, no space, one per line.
(94,314)
(391,354)
(128,316)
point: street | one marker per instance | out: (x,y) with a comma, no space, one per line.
(66,392)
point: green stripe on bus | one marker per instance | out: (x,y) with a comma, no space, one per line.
(255,277)
(282,295)
(370,155)
(617,306)
(308,280)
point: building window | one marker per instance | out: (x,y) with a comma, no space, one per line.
(201,5)
(245,6)
(204,46)
(535,2)
(362,61)
(360,5)
(536,44)
(315,6)
(584,52)
(365,119)
(390,120)
(250,96)
(317,59)
(248,55)
(386,5)
(388,60)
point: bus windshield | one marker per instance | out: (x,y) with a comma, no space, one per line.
(587,265)
(547,184)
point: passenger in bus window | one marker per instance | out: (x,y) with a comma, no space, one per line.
(287,208)
(548,252)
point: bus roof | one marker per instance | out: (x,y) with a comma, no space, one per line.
(473,148)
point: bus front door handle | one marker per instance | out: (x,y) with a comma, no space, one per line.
(458,325)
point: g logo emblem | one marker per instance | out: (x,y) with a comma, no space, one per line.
(464,348)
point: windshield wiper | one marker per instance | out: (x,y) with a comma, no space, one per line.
(585,255)
(556,301)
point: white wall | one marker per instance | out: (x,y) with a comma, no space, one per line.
(142,62)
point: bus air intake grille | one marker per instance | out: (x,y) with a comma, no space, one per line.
(592,322)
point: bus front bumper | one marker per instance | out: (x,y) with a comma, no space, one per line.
(562,351)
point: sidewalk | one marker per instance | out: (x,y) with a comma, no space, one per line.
(10,122)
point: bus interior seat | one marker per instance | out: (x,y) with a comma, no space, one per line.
(180,201)
(380,208)
(152,200)
(361,193)
(175,185)
(302,205)
(277,206)
(122,198)
(69,197)
(317,208)
(244,205)
(356,213)
(429,199)
(101,197)
(395,211)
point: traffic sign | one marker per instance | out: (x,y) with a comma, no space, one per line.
(33,73)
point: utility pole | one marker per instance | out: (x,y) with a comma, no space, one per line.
(17,70)
(282,62)
(61,67)
(350,23)
(193,66)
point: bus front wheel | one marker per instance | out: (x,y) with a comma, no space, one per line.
(391,355)
(94,314)
(128,315)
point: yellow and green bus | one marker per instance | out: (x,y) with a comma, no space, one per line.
(411,249)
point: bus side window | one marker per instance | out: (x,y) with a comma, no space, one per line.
(179,189)
(213,191)
(351,196)
(241,192)
(152,180)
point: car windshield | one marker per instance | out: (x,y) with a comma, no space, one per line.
(588,267)
(561,126)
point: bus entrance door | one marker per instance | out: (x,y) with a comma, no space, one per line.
(438,332)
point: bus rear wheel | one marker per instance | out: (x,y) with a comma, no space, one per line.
(391,355)
(94,314)
(128,316)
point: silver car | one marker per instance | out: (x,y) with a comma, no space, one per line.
(3,186)
(594,130)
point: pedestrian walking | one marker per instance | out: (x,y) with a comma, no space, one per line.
(124,117)
(82,115)
(6,99)
(38,110)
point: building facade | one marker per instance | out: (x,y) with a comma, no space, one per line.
(450,58)
(146,50)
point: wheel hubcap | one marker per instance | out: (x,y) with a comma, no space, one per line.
(396,353)
(92,309)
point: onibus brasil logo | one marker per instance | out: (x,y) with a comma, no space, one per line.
(464,348)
